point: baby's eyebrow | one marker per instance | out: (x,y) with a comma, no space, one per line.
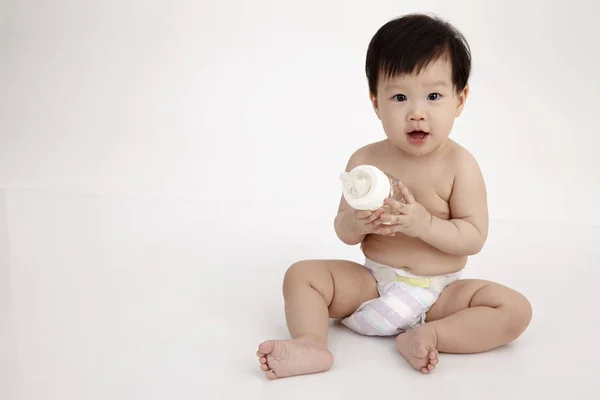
(437,83)
(428,84)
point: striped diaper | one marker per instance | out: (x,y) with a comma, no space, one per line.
(403,301)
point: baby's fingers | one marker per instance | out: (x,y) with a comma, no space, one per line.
(375,223)
(368,215)
(363,214)
(375,216)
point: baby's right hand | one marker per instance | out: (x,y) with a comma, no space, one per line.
(366,221)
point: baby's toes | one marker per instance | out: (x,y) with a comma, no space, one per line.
(433,357)
(262,360)
(271,375)
(265,367)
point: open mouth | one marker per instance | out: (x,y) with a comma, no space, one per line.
(418,135)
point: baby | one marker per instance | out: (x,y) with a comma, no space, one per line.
(410,285)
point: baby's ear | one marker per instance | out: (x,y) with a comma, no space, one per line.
(375,103)
(462,99)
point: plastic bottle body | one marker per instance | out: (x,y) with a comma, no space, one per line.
(366,187)
(394,194)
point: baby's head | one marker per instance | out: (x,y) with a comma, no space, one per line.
(418,69)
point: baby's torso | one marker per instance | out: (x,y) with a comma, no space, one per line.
(430,181)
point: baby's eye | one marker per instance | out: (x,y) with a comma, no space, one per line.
(400,97)
(434,96)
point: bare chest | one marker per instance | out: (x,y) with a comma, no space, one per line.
(431,185)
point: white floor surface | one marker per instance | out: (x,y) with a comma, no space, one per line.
(114,298)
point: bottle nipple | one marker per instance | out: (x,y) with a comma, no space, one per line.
(356,183)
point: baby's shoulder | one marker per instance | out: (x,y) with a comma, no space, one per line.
(366,154)
(460,159)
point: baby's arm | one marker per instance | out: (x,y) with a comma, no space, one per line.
(466,231)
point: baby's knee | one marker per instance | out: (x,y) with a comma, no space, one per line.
(519,313)
(307,272)
(298,270)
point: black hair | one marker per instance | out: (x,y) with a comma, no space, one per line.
(407,44)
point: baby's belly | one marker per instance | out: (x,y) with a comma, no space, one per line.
(411,254)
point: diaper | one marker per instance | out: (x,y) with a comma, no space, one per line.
(404,300)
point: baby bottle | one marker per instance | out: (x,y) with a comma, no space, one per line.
(366,187)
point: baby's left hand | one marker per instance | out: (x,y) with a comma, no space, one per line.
(413,219)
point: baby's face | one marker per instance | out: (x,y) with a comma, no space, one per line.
(418,111)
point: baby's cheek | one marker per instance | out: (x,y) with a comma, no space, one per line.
(445,125)
(393,122)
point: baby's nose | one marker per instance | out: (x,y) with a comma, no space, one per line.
(416,116)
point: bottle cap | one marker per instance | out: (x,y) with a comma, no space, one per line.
(365,187)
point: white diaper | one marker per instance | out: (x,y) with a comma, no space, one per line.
(404,300)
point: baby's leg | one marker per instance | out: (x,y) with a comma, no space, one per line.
(314,291)
(471,316)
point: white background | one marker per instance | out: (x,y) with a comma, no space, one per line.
(145,146)
(183,99)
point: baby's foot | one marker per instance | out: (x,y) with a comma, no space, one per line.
(283,358)
(418,346)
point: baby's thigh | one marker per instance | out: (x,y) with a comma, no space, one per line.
(344,285)
(467,293)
